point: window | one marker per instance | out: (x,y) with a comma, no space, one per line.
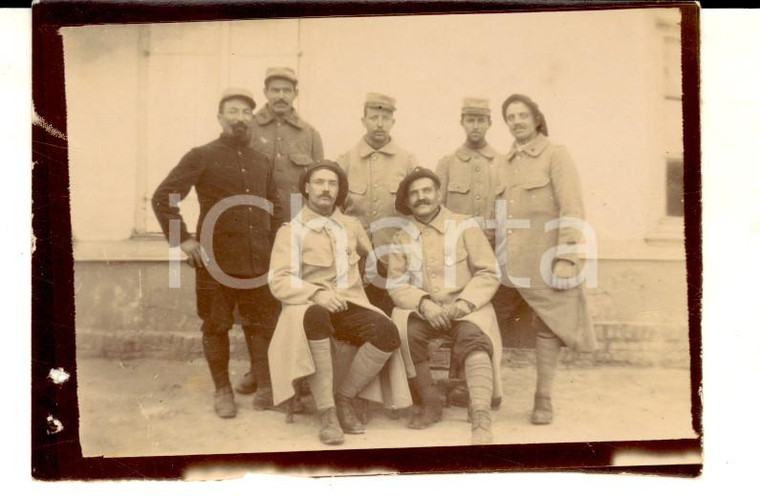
(670,29)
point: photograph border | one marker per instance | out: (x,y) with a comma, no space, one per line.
(57,455)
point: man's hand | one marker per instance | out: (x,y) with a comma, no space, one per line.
(330,301)
(563,273)
(458,309)
(435,315)
(196,255)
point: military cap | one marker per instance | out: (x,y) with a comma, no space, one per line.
(403,187)
(476,106)
(380,101)
(231,93)
(282,73)
(329,165)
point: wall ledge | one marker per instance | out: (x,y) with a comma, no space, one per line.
(155,248)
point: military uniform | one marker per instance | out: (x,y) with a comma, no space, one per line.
(316,253)
(373,178)
(240,246)
(539,183)
(290,142)
(469,176)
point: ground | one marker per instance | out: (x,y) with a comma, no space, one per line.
(149,408)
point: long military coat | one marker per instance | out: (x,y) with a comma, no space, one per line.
(542,214)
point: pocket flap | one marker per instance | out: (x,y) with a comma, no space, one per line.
(536,183)
(301,159)
(459,186)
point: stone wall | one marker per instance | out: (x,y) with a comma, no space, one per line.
(126,310)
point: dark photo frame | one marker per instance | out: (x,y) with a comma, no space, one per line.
(64,333)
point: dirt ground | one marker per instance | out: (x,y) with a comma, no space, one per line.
(152,408)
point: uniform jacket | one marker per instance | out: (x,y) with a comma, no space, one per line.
(420,265)
(469,180)
(310,253)
(540,184)
(373,179)
(219,170)
(291,144)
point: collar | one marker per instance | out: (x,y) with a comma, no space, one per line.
(533,148)
(316,222)
(438,223)
(231,142)
(465,152)
(265,116)
(365,150)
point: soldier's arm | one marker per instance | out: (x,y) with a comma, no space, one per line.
(285,280)
(179,182)
(567,191)
(317,150)
(400,285)
(443,174)
(273,196)
(485,273)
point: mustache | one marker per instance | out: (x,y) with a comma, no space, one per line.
(421,202)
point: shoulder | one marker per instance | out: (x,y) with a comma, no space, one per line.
(445,161)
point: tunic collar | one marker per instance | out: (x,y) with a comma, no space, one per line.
(265,116)
(534,148)
(365,150)
(465,153)
(316,222)
(438,223)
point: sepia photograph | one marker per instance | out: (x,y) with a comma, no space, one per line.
(335,234)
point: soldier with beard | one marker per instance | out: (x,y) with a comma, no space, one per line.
(232,259)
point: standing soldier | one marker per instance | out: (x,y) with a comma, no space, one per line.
(469,175)
(291,144)
(375,167)
(540,265)
(235,243)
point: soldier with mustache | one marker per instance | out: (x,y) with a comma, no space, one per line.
(292,144)
(442,274)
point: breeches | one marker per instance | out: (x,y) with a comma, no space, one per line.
(356,326)
(216,304)
(466,337)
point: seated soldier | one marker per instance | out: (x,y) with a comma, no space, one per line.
(442,274)
(314,272)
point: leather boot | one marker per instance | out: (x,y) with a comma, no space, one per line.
(543,412)
(224,403)
(349,422)
(481,427)
(260,367)
(247,384)
(330,431)
(432,407)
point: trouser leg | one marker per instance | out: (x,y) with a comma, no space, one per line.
(377,338)
(479,375)
(548,349)
(216,349)
(321,385)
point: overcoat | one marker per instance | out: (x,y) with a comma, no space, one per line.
(292,144)
(373,178)
(316,252)
(445,260)
(469,179)
(543,221)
